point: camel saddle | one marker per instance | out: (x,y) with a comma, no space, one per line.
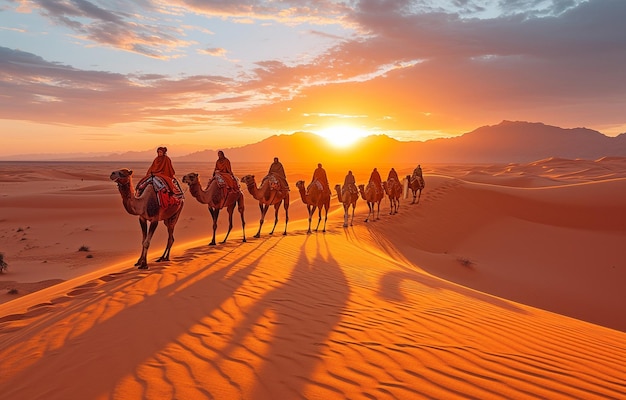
(275,182)
(351,188)
(317,183)
(378,189)
(168,189)
(229,185)
(419,178)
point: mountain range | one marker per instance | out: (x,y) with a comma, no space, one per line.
(507,142)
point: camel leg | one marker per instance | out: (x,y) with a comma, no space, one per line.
(144,232)
(286,205)
(346,214)
(276,208)
(352,219)
(311,210)
(230,210)
(418,197)
(170,223)
(325,216)
(215,212)
(146,245)
(241,208)
(263,208)
(319,218)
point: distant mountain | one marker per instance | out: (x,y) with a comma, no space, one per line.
(523,142)
(503,143)
(304,147)
(507,142)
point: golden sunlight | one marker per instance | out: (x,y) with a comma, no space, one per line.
(342,136)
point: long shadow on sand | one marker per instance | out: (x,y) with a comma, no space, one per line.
(112,348)
(120,332)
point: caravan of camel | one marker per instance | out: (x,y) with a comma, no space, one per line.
(158,197)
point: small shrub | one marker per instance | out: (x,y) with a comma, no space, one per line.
(89,255)
(3,264)
(12,291)
(83,248)
(466,262)
(20,229)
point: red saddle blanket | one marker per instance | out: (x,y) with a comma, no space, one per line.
(168,189)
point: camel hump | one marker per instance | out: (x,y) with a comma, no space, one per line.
(227,180)
(167,188)
(276,182)
(316,184)
(350,188)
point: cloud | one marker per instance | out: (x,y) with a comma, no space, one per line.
(412,66)
(54,93)
(214,51)
(124,28)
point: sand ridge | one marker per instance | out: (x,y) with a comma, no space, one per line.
(402,307)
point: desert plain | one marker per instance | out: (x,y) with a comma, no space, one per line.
(505,281)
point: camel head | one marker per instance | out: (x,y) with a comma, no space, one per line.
(121,175)
(191,178)
(300,185)
(248,180)
(338,187)
(362,191)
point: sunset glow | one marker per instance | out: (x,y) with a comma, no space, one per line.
(208,75)
(342,136)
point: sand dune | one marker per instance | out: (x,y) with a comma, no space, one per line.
(506,281)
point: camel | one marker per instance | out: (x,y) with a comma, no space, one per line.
(347,198)
(268,195)
(315,198)
(373,199)
(393,188)
(213,196)
(146,206)
(416,185)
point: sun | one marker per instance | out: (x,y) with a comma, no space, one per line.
(342,136)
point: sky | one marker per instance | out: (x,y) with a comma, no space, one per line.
(98,76)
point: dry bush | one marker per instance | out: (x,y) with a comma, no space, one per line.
(466,262)
(3,264)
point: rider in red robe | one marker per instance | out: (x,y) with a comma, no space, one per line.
(223,166)
(162,166)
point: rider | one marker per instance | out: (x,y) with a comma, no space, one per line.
(393,175)
(377,181)
(350,183)
(417,172)
(161,166)
(278,170)
(222,165)
(320,175)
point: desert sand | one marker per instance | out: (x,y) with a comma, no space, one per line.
(505,281)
